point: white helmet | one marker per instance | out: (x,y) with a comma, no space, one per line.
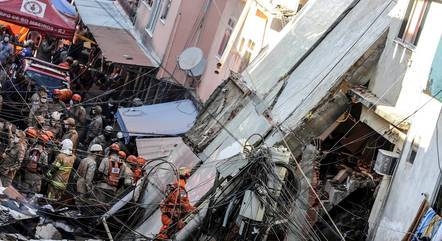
(119,135)
(66,146)
(56,115)
(96,147)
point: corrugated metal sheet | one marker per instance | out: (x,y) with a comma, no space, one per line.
(171,118)
(114,33)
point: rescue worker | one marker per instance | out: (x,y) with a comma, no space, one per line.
(96,125)
(55,125)
(36,164)
(38,105)
(40,122)
(58,174)
(175,207)
(121,142)
(110,171)
(104,139)
(136,165)
(78,112)
(57,103)
(86,170)
(70,132)
(13,156)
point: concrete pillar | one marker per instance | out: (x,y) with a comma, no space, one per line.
(378,206)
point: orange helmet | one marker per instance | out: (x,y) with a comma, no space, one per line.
(122,154)
(141,161)
(56,92)
(31,132)
(43,137)
(115,147)
(76,97)
(49,134)
(132,159)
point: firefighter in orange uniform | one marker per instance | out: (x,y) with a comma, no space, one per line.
(36,162)
(136,165)
(175,207)
(110,171)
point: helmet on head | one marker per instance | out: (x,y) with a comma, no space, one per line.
(49,134)
(96,148)
(66,146)
(44,138)
(76,97)
(184,172)
(108,130)
(98,109)
(31,132)
(115,147)
(56,92)
(122,154)
(56,115)
(132,159)
(40,119)
(141,161)
(20,134)
(69,121)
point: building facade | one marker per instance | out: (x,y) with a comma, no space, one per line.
(229,33)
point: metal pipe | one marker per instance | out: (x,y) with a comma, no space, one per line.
(109,235)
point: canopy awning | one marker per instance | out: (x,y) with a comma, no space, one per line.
(166,119)
(113,32)
(39,15)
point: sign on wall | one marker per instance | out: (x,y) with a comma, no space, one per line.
(33,7)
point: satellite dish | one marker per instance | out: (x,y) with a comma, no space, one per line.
(192,61)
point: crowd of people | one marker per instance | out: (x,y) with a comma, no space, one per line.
(63,141)
(47,150)
(69,151)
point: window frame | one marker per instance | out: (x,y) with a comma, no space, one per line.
(165,6)
(153,19)
(412,14)
(146,3)
(224,41)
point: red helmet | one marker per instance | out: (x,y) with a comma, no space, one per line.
(115,147)
(56,92)
(43,137)
(31,132)
(132,159)
(76,97)
(49,134)
(122,154)
(141,161)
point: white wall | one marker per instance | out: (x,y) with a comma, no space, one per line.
(401,76)
(411,180)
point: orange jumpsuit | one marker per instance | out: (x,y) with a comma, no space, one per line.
(174,208)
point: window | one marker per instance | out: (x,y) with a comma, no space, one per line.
(413,152)
(247,56)
(150,28)
(413,21)
(226,37)
(149,3)
(434,84)
(165,11)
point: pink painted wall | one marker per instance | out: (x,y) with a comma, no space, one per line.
(210,80)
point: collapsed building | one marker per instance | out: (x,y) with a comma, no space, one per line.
(303,144)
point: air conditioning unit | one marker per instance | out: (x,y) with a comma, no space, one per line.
(386,162)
